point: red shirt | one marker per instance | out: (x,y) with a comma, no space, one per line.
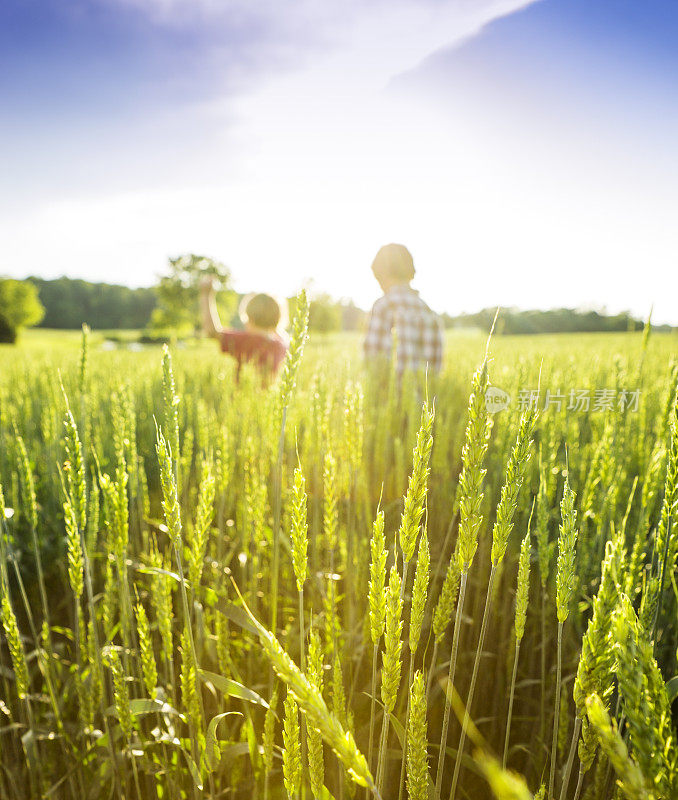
(265,351)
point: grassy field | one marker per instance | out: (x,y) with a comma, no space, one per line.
(339,585)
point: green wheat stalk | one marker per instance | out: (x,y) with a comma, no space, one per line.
(470,501)
(515,475)
(291,748)
(311,703)
(522,602)
(419,595)
(565,583)
(417,755)
(596,663)
(287,385)
(377,608)
(316,764)
(391,664)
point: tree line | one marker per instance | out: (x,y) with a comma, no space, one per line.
(512,321)
(171,307)
(70,302)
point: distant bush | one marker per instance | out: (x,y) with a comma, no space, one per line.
(7,332)
(149,339)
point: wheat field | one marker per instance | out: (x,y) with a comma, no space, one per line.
(343,584)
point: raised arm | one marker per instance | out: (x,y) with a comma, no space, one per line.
(211,324)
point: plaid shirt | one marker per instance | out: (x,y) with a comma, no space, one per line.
(419,335)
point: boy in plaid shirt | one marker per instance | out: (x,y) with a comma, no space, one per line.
(419,334)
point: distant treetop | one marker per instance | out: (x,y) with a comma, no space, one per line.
(20,307)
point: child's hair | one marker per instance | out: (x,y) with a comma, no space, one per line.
(393,261)
(261,310)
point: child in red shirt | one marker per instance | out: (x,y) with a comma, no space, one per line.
(259,343)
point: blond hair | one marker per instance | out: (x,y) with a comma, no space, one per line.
(394,262)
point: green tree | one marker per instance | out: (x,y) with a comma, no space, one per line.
(324,314)
(20,307)
(178,292)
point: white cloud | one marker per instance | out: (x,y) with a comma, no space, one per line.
(376,38)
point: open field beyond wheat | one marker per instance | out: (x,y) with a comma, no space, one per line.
(340,585)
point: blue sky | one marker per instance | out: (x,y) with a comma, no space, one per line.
(524,151)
